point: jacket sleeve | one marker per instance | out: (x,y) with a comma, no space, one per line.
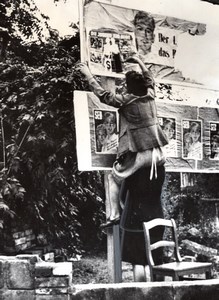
(105,96)
(149,80)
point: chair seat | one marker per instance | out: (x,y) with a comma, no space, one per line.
(183,266)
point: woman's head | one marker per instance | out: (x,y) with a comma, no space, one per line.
(195,131)
(110,123)
(187,141)
(136,84)
(169,128)
(101,133)
(144,31)
(215,143)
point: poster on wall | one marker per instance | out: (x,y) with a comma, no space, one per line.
(192,139)
(107,50)
(111,34)
(169,128)
(189,117)
(214,140)
(96,132)
(106,131)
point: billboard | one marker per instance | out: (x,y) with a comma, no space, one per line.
(110,34)
(188,111)
(189,116)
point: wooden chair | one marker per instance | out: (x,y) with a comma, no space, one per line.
(178,268)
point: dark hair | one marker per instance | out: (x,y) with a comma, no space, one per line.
(169,121)
(109,115)
(145,18)
(215,138)
(195,124)
(136,83)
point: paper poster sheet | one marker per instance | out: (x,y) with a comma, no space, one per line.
(214,140)
(189,117)
(111,34)
(96,132)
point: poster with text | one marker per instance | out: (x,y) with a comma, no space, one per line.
(189,117)
(96,132)
(111,34)
(106,131)
(214,140)
(169,128)
(192,139)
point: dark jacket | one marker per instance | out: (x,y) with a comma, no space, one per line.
(139,128)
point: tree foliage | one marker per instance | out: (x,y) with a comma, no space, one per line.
(39,179)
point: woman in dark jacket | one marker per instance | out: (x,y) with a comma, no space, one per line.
(140,136)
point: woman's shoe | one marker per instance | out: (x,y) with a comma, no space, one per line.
(109,223)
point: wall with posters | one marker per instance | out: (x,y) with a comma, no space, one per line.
(189,117)
(187,111)
(110,32)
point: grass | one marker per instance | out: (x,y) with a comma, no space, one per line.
(93,268)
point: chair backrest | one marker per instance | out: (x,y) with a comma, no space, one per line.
(173,243)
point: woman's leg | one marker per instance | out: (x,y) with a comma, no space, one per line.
(114,189)
(139,273)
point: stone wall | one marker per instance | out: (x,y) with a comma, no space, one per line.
(27,277)
(184,290)
(16,240)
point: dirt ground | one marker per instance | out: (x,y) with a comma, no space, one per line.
(92,268)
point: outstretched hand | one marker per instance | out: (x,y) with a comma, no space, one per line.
(133,58)
(83,68)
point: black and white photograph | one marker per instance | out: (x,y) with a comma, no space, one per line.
(169,127)
(106,131)
(109,150)
(192,139)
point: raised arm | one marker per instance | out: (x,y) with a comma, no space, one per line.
(136,59)
(145,71)
(107,97)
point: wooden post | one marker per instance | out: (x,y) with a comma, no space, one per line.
(113,234)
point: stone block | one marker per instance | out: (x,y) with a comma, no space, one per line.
(20,274)
(49,256)
(62,269)
(30,257)
(20,241)
(44,269)
(53,297)
(128,291)
(51,291)
(197,290)
(17,295)
(56,281)
(6,258)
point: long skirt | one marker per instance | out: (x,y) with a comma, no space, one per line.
(143,203)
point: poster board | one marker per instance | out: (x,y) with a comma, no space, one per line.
(183,110)
(107,30)
(183,102)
